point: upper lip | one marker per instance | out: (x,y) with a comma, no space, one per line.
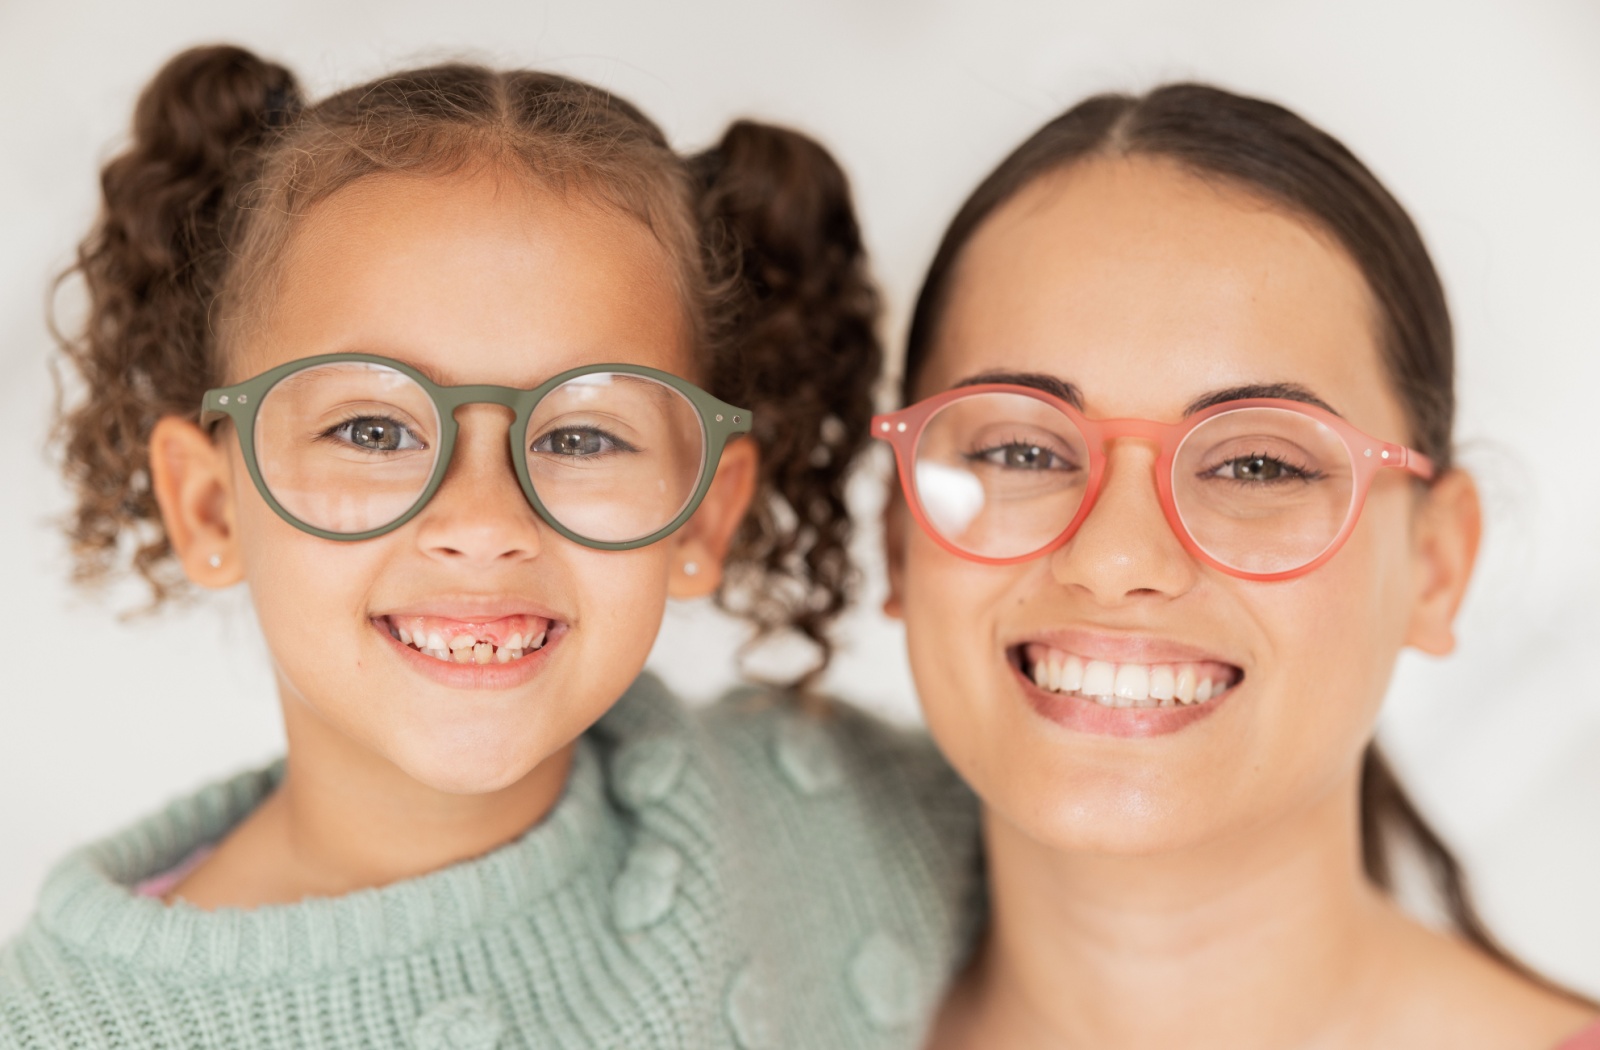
(1121,647)
(474,608)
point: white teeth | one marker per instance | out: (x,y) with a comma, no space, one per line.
(1122,685)
(435,641)
(438,653)
(536,643)
(1071,674)
(1099,679)
(1132,682)
(461,656)
(502,655)
(482,653)
(516,654)
(404,635)
(1185,685)
(514,642)
(462,641)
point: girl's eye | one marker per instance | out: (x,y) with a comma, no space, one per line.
(580,441)
(1259,470)
(376,434)
(1020,455)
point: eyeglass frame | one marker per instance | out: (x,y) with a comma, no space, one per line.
(903,430)
(241,402)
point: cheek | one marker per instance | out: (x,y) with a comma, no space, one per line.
(619,598)
(952,609)
(309,594)
(1331,639)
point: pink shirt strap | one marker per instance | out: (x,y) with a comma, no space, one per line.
(1588,1039)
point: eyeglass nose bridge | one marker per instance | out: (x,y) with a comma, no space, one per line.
(1099,435)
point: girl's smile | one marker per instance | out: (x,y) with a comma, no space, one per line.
(473,642)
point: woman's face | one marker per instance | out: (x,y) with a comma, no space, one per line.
(1148,289)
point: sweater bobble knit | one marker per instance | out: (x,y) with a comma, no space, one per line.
(743,875)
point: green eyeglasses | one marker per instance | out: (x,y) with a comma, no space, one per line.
(351,446)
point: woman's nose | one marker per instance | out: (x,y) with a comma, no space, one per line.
(1125,549)
(479,516)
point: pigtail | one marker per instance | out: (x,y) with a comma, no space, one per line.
(152,267)
(797,344)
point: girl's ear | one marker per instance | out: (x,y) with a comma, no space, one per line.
(1449,526)
(701,546)
(895,520)
(193,484)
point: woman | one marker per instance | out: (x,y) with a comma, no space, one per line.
(1179,488)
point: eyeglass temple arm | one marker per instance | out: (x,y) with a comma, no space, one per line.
(1409,459)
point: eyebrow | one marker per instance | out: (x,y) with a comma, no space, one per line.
(1037,380)
(1281,391)
(1069,392)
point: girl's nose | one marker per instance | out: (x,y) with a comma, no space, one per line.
(1125,550)
(479,516)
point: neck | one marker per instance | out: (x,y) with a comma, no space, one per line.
(345,818)
(1259,940)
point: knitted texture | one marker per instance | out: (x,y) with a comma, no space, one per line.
(745,875)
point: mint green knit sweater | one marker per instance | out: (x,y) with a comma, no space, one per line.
(740,876)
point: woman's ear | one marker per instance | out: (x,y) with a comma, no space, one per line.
(894,553)
(193,485)
(1449,525)
(701,547)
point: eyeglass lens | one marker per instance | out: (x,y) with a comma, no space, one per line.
(1260,490)
(350,447)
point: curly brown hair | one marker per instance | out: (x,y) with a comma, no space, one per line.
(226,155)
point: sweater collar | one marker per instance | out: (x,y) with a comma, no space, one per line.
(87,901)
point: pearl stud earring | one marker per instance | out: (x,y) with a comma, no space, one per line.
(215,561)
(690,568)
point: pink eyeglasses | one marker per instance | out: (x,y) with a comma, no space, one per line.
(1264,489)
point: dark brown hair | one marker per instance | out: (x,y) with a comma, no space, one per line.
(226,155)
(1270,151)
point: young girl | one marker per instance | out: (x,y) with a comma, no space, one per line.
(465,372)
(1179,481)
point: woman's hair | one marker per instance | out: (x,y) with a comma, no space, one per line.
(1273,153)
(227,155)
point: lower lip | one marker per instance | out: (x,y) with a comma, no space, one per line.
(1086,716)
(473,675)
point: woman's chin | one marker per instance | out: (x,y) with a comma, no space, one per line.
(1136,814)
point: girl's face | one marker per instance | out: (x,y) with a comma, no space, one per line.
(1147,289)
(477,279)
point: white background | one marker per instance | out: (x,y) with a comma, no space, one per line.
(1483,117)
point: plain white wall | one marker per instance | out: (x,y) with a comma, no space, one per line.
(1484,118)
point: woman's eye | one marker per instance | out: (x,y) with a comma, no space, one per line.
(1020,455)
(578,441)
(376,434)
(1259,470)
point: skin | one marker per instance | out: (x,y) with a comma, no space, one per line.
(1201,888)
(475,278)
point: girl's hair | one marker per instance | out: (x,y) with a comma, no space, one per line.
(1270,151)
(226,155)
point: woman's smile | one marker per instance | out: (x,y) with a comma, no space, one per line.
(1119,685)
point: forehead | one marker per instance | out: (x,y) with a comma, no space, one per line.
(1148,287)
(479,278)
